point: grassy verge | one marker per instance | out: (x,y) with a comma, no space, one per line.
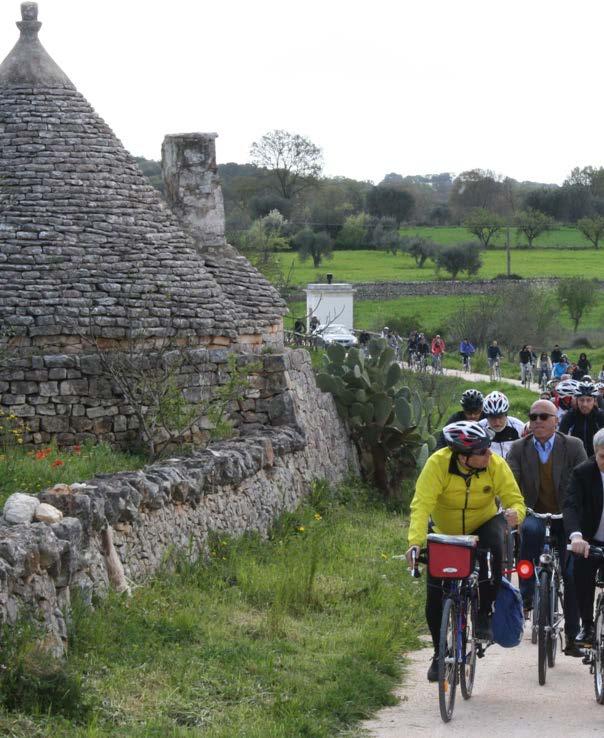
(299,635)
(378,266)
(32,471)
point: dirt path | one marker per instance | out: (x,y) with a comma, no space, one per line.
(471,377)
(507,700)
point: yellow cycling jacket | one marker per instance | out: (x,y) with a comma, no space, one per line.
(458,505)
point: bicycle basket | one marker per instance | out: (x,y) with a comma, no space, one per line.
(451,557)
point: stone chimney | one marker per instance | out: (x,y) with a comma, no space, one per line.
(192,185)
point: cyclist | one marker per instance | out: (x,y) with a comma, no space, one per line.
(504,428)
(584,525)
(560,367)
(544,367)
(467,350)
(586,419)
(437,348)
(583,366)
(542,463)
(423,348)
(527,359)
(493,354)
(556,354)
(565,396)
(471,409)
(412,346)
(457,488)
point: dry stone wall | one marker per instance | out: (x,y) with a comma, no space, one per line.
(128,521)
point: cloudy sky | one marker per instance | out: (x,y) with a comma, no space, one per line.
(382,86)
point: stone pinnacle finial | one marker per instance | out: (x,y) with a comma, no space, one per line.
(30,25)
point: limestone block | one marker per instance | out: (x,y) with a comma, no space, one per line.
(20,508)
(46,513)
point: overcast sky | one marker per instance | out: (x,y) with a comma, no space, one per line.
(384,86)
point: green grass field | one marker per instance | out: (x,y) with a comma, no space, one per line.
(378,266)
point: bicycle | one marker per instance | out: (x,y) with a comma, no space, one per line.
(494,371)
(437,364)
(466,363)
(454,560)
(594,656)
(526,375)
(548,602)
(543,382)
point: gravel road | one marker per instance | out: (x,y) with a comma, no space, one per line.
(507,700)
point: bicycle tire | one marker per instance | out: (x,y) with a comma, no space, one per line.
(467,669)
(448,670)
(598,649)
(535,615)
(552,641)
(543,625)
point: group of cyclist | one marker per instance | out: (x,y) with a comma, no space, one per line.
(490,467)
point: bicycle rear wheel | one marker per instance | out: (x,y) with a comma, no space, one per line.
(447,661)
(467,668)
(543,627)
(599,652)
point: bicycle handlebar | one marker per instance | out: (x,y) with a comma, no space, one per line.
(543,516)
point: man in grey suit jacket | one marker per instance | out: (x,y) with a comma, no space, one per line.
(542,463)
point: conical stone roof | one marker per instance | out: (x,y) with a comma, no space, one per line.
(83,235)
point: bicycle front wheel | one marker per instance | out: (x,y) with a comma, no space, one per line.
(555,614)
(599,652)
(535,615)
(467,668)
(447,661)
(544,623)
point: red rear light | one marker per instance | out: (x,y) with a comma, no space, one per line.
(525,569)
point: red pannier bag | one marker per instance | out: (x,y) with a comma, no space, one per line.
(451,557)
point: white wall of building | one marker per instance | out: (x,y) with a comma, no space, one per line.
(331,303)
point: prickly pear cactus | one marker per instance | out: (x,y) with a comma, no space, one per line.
(387,420)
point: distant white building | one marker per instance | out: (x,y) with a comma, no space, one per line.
(330,303)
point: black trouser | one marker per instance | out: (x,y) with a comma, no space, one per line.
(585,585)
(491,535)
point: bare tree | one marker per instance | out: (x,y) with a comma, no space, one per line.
(294,161)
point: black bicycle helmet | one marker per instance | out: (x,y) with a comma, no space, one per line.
(472,399)
(466,437)
(586,389)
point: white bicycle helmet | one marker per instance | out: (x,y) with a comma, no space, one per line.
(495,403)
(586,389)
(466,437)
(567,388)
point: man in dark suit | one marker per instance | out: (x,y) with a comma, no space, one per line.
(584,524)
(542,463)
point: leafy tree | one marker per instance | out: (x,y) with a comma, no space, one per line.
(318,246)
(483,224)
(386,236)
(578,295)
(592,229)
(421,249)
(261,242)
(440,215)
(354,233)
(294,161)
(477,188)
(390,203)
(461,257)
(533,223)
(263,204)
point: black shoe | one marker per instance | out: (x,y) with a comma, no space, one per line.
(433,670)
(585,636)
(572,649)
(483,627)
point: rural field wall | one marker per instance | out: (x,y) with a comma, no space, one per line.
(392,290)
(117,529)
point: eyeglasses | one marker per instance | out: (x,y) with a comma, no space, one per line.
(540,416)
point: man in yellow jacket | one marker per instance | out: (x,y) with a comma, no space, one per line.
(457,489)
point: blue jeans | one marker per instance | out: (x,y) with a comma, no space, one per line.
(532,536)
